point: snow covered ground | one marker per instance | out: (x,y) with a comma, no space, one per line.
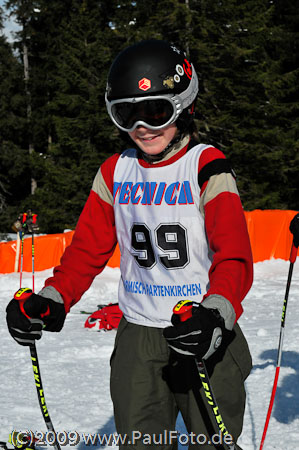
(75,365)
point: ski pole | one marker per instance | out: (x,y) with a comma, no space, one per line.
(41,397)
(22,234)
(292,260)
(32,255)
(21,296)
(184,310)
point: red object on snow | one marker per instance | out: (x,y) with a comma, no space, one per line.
(106,318)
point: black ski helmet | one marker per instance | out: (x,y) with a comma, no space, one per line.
(149,69)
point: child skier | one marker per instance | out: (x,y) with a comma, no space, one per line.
(173,207)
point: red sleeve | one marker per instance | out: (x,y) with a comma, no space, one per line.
(231,272)
(92,245)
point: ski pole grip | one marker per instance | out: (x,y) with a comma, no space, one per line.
(21,295)
(293,255)
(183,310)
(294,229)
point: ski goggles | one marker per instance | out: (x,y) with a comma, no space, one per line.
(153,112)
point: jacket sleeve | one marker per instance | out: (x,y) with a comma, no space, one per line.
(231,271)
(93,242)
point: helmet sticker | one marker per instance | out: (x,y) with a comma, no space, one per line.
(175,49)
(179,69)
(144,84)
(187,69)
(169,82)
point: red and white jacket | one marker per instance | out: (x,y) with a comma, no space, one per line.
(148,209)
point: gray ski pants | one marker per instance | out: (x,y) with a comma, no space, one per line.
(149,386)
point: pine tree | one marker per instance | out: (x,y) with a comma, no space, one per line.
(79,132)
(231,50)
(14,158)
(167,19)
(280,78)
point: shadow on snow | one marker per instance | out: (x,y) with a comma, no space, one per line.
(286,403)
(106,430)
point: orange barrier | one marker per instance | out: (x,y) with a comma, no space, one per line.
(48,250)
(268,231)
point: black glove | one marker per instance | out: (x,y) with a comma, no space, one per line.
(27,318)
(294,229)
(199,336)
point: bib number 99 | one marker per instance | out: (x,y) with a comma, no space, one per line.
(170,241)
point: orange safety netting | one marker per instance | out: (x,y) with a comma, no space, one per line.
(268,231)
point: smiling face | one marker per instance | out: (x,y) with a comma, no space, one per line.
(153,142)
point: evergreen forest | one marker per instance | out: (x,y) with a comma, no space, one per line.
(54,128)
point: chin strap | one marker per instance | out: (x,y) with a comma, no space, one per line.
(155,158)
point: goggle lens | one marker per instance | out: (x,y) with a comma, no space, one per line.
(155,113)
